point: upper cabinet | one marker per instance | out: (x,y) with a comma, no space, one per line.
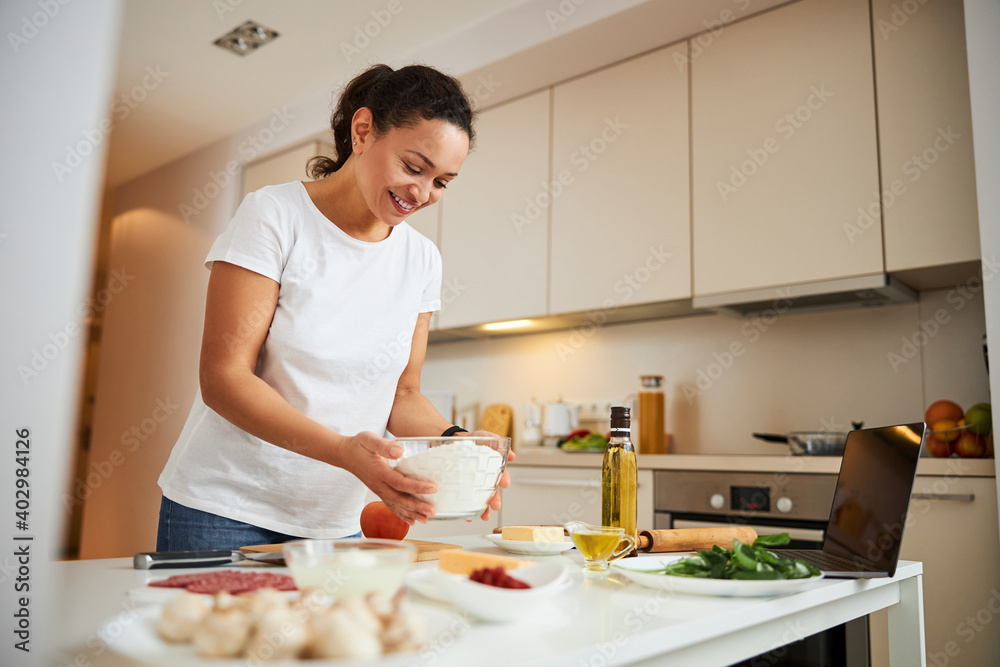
(427,221)
(784,150)
(925,132)
(494,220)
(284,167)
(620,197)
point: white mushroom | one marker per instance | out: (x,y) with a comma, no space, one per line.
(337,635)
(360,613)
(222,634)
(310,601)
(281,634)
(405,631)
(382,606)
(181,616)
(223,600)
(258,603)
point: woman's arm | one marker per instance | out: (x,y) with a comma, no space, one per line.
(238,314)
(414,416)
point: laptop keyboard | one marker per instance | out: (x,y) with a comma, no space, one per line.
(823,560)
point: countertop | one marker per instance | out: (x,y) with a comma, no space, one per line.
(553,457)
(591,621)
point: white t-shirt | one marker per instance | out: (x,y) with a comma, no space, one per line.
(339,340)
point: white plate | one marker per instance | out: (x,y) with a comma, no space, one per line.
(504,604)
(739,588)
(135,637)
(423,582)
(531,548)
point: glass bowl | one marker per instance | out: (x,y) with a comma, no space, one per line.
(968,441)
(349,566)
(466,469)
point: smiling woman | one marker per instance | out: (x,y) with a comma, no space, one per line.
(316,323)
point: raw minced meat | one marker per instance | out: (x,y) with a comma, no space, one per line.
(232,581)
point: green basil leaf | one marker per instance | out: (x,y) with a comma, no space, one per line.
(775,540)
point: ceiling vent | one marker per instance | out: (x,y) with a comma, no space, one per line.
(245,38)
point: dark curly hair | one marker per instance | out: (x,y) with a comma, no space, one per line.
(396,98)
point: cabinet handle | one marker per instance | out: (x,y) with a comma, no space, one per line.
(960,497)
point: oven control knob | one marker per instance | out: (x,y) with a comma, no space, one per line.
(717,501)
(784,504)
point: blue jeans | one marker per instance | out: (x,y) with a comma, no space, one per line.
(182,528)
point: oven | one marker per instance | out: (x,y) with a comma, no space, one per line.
(770,502)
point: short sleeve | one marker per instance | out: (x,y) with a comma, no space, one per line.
(258,238)
(430,301)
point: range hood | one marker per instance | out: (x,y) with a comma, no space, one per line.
(876,289)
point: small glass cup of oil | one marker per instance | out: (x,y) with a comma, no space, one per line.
(599,544)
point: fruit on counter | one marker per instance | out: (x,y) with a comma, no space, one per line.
(971,445)
(378,521)
(532,533)
(979,418)
(743,561)
(465,562)
(943,430)
(496,576)
(578,433)
(943,409)
(589,442)
(939,448)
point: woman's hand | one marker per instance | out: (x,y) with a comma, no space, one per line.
(365,456)
(494,503)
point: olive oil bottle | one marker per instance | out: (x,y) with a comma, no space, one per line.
(618,476)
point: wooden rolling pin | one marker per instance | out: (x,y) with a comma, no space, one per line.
(688,539)
(694,539)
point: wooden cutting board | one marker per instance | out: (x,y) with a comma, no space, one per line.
(497,418)
(425,550)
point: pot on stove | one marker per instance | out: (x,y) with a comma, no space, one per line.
(811,443)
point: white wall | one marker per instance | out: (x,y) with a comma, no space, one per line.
(802,372)
(57,80)
(982,27)
(147,376)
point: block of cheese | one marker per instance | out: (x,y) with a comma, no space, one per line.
(465,562)
(533,533)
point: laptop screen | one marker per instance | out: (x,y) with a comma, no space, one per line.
(873,493)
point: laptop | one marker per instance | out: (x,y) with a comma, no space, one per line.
(865,529)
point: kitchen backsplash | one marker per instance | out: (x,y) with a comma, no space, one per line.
(726,377)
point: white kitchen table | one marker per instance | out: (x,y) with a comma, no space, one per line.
(592,622)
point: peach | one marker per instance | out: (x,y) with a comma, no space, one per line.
(971,446)
(378,521)
(940,448)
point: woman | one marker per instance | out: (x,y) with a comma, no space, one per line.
(318,310)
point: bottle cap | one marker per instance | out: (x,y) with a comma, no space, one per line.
(652,381)
(620,417)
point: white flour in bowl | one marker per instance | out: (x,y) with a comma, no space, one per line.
(466,475)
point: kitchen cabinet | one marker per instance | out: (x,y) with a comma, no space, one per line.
(555,495)
(494,219)
(784,149)
(284,167)
(952,528)
(427,221)
(620,175)
(925,136)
